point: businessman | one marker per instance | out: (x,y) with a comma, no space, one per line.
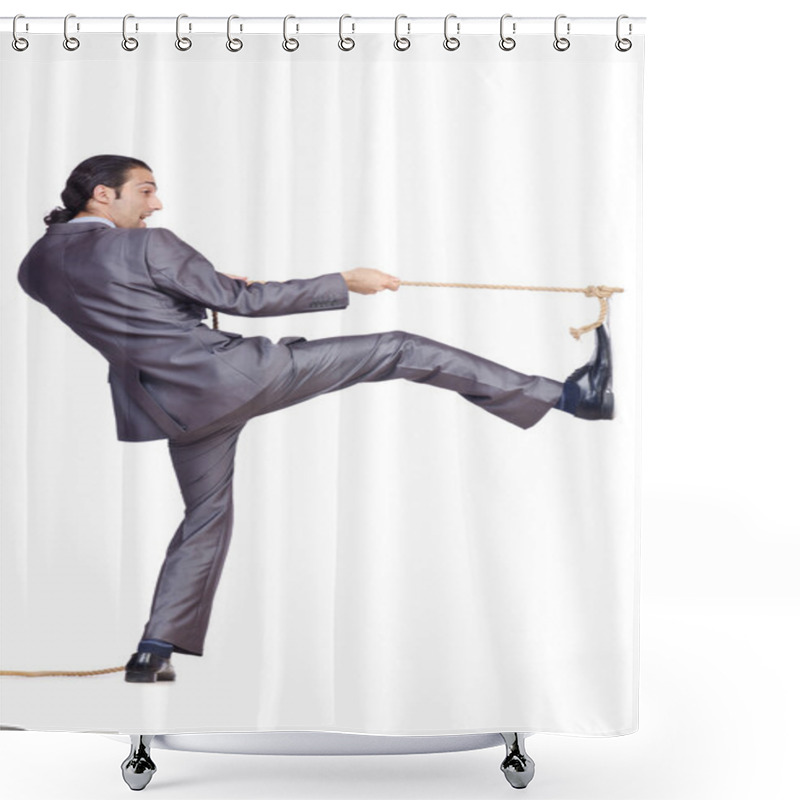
(139,296)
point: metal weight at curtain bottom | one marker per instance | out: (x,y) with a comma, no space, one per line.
(138,768)
(517,766)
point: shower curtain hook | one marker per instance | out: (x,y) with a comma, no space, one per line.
(18,43)
(561,43)
(234,45)
(128,42)
(623,45)
(506,42)
(401,43)
(451,42)
(70,42)
(182,42)
(290,45)
(346,44)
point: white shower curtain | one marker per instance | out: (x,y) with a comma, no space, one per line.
(401,562)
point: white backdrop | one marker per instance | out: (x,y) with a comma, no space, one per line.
(384,536)
(719,589)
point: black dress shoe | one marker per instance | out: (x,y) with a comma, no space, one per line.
(590,385)
(148,668)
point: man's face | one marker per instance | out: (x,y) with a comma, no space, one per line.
(137,200)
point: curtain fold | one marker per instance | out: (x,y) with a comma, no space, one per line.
(401,562)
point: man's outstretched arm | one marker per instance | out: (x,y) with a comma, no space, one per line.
(180,271)
(363,280)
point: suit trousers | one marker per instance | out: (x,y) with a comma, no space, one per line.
(203,460)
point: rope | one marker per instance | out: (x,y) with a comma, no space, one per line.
(602,293)
(65,674)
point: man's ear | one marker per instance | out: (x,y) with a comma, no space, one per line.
(103,194)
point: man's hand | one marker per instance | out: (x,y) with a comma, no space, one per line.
(369,281)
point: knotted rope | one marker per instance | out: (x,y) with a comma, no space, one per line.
(602,293)
(63,674)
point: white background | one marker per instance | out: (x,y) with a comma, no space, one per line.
(719,697)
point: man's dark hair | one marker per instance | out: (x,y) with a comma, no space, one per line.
(106,170)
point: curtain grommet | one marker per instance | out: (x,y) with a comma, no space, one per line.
(506,42)
(401,43)
(19,43)
(561,43)
(451,43)
(234,45)
(183,43)
(345,42)
(289,44)
(70,42)
(129,43)
(622,44)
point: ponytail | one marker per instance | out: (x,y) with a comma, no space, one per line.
(59,215)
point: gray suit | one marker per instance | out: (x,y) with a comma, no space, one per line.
(139,296)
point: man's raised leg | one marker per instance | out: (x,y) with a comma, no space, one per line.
(327,365)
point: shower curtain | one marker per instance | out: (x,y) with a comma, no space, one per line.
(401,561)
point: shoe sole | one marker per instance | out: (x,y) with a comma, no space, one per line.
(145,678)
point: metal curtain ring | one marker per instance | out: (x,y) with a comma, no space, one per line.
(623,45)
(401,43)
(234,45)
(451,42)
(70,42)
(506,42)
(128,42)
(561,43)
(290,45)
(345,43)
(181,42)
(18,43)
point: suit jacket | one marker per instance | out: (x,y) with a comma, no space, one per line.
(139,296)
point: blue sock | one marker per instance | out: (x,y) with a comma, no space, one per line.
(157,646)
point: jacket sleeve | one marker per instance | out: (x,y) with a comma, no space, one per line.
(180,271)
